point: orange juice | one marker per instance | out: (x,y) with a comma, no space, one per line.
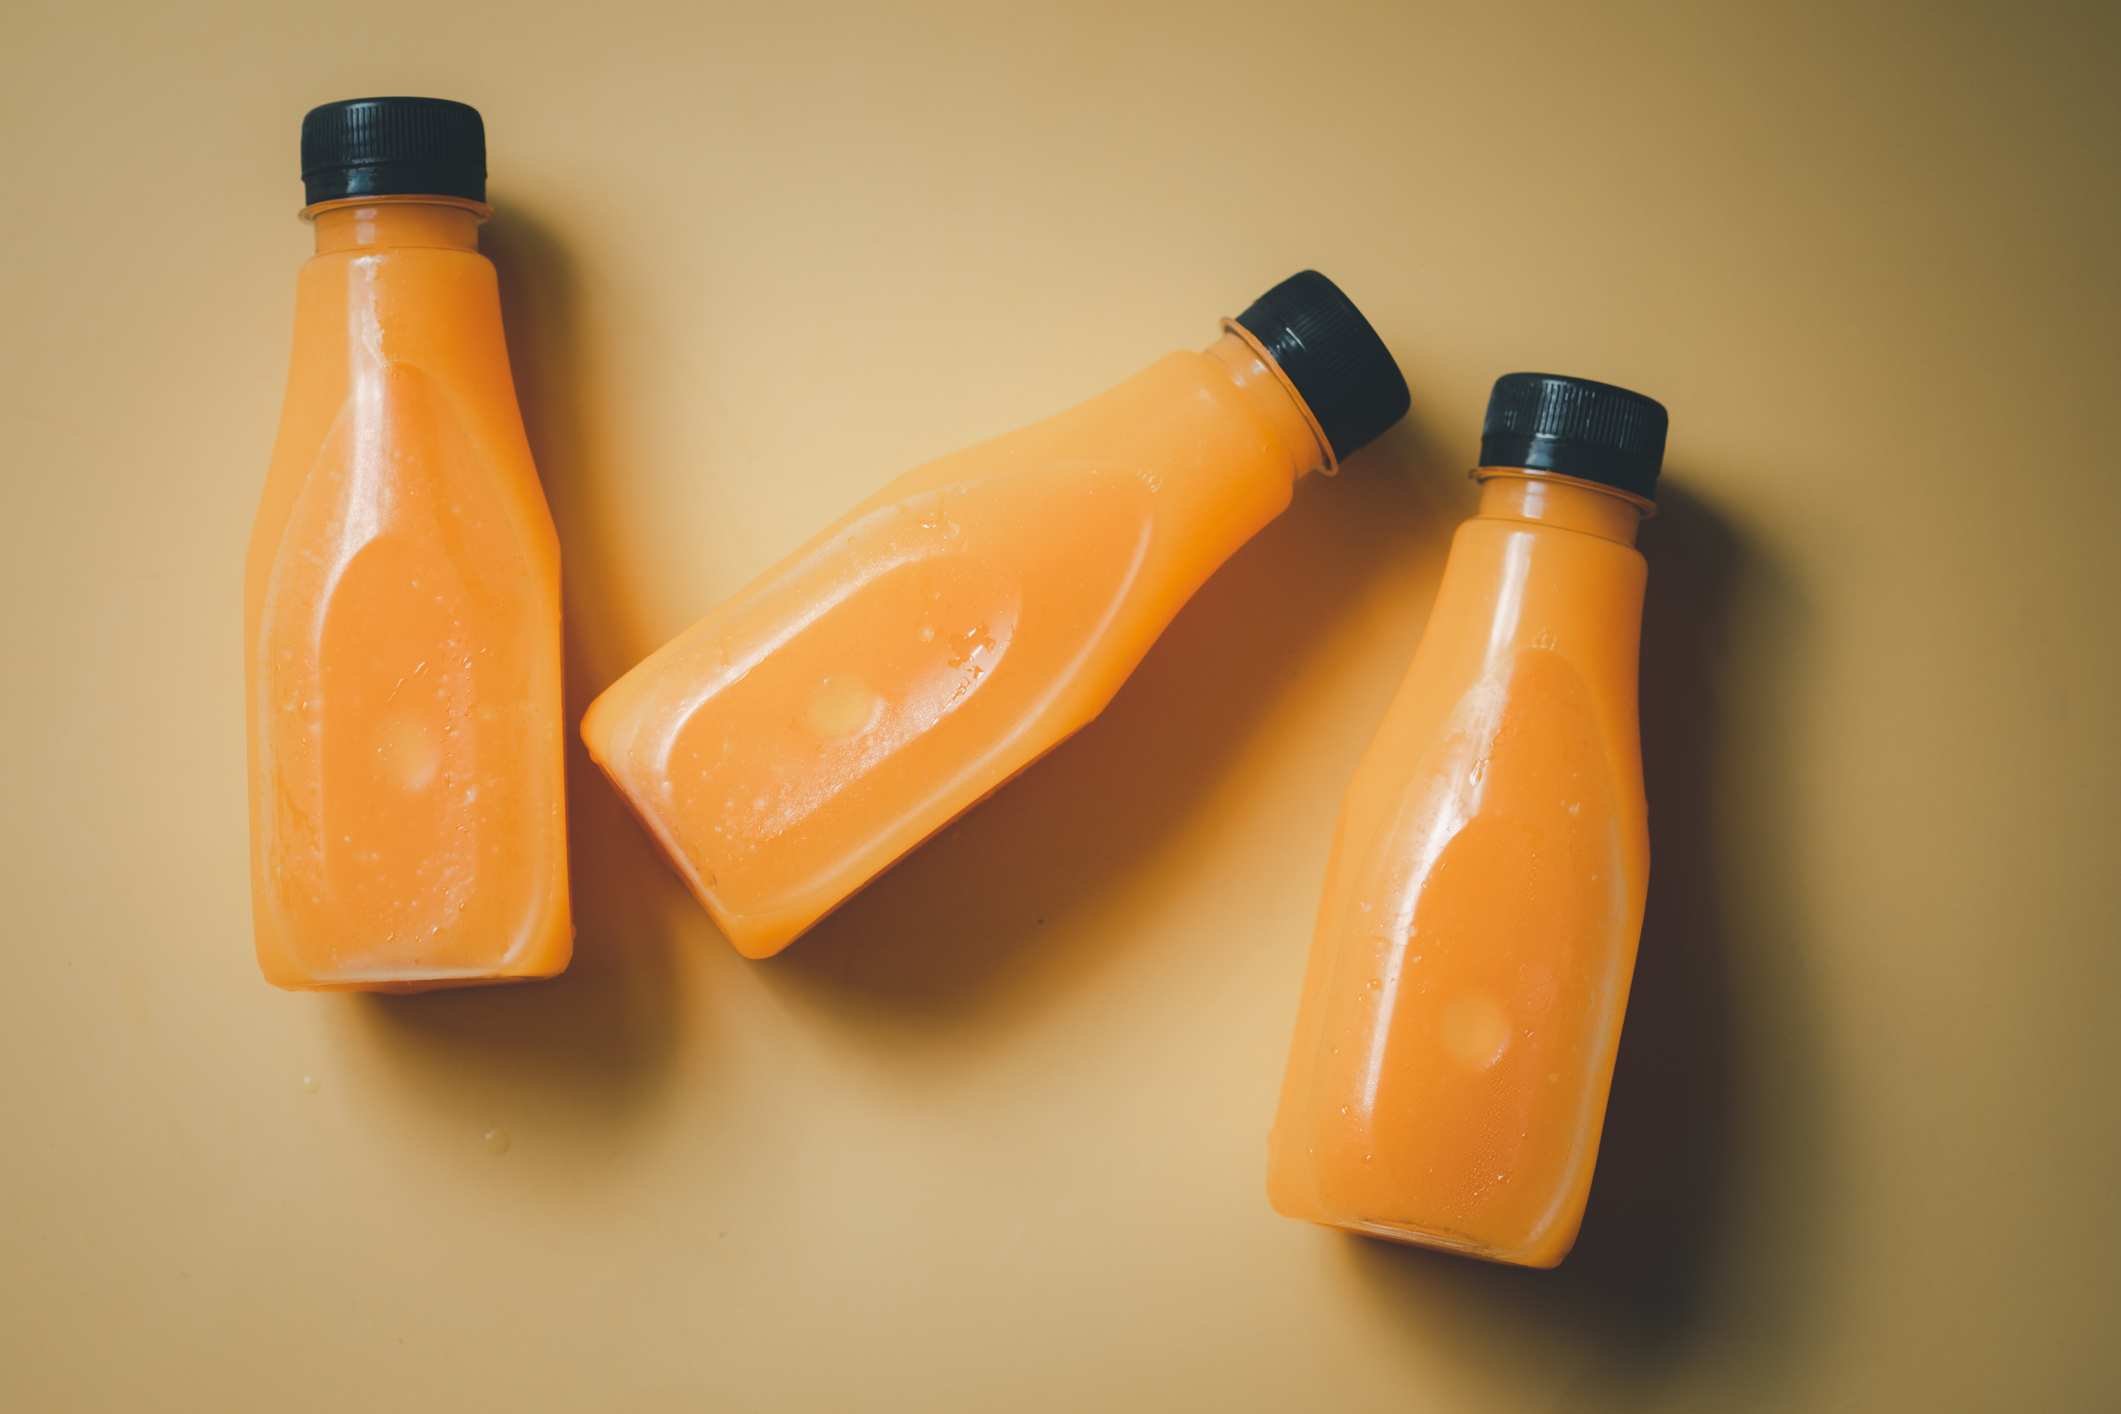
(402,605)
(1462,1007)
(956,626)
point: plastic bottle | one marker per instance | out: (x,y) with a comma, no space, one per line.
(949,631)
(402,599)
(1470,968)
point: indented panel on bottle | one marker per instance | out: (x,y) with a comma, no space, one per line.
(888,678)
(403,734)
(1481,956)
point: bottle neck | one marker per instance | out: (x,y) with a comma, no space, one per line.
(437,222)
(1267,390)
(1508,493)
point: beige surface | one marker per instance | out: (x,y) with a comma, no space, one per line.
(992,1139)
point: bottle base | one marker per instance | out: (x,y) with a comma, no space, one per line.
(403,986)
(541,964)
(1443,1240)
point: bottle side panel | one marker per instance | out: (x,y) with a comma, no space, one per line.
(1470,968)
(408,816)
(807,734)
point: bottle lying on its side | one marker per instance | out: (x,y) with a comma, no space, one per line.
(949,631)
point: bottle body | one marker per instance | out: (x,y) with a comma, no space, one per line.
(402,611)
(1462,1005)
(941,637)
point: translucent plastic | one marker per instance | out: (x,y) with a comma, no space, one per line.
(1470,969)
(942,636)
(402,607)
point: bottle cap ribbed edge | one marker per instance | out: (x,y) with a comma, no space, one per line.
(1575,427)
(393,147)
(1338,364)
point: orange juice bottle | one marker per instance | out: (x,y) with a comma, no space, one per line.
(1470,968)
(402,596)
(956,626)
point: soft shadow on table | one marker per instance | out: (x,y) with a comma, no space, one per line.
(1672,1225)
(1020,870)
(592,1046)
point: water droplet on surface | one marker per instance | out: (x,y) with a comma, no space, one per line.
(310,1084)
(496,1141)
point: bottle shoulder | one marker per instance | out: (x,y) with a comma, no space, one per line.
(396,257)
(364,444)
(1549,537)
(1179,422)
(369,325)
(1515,593)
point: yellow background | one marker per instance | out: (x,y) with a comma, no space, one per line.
(991,1139)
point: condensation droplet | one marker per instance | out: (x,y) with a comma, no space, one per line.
(310,1084)
(496,1141)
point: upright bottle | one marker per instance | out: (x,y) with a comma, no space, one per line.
(956,626)
(1463,1003)
(402,596)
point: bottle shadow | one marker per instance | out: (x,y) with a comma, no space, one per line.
(592,1047)
(1670,1222)
(1023,874)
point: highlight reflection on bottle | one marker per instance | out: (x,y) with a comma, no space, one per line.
(402,593)
(943,635)
(1462,1007)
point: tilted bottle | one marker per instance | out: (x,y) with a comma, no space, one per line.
(1470,969)
(947,632)
(402,602)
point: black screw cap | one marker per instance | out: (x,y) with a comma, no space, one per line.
(393,147)
(1343,370)
(1574,427)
